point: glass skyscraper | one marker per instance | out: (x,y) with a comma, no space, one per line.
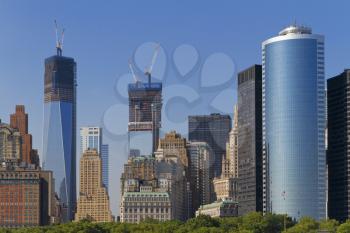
(59,136)
(250,179)
(338,153)
(213,129)
(294,123)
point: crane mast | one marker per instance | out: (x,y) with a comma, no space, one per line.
(59,40)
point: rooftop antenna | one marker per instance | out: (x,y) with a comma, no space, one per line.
(59,40)
(148,72)
(133,72)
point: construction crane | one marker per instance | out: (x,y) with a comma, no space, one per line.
(59,41)
(133,72)
(148,71)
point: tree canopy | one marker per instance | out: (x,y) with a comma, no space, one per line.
(253,222)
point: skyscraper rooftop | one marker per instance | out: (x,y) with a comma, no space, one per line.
(295,29)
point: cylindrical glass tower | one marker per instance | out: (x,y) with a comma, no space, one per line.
(294,123)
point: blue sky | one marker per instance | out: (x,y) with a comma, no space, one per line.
(103,35)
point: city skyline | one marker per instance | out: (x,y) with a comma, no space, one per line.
(89,77)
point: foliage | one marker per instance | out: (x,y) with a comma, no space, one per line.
(305,225)
(344,228)
(251,223)
(329,225)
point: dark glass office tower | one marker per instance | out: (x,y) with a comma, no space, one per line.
(250,182)
(338,153)
(214,130)
(59,139)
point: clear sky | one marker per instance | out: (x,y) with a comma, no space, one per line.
(103,35)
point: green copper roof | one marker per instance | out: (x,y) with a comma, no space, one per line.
(217,204)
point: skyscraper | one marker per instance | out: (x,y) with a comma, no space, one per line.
(145,106)
(93,202)
(105,164)
(214,130)
(19,121)
(294,122)
(91,137)
(232,145)
(338,95)
(173,147)
(250,182)
(10,144)
(200,158)
(59,137)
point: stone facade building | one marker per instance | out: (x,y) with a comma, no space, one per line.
(219,209)
(26,196)
(10,143)
(93,202)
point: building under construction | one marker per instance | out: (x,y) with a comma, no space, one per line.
(145,105)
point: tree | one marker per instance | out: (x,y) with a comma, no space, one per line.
(344,228)
(329,225)
(253,222)
(305,225)
(201,221)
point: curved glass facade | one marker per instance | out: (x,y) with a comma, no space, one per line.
(294,124)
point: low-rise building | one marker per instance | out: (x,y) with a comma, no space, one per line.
(137,206)
(225,187)
(223,208)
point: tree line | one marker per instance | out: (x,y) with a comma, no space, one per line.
(251,223)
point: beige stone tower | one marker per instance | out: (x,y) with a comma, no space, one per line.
(93,202)
(232,146)
(174,145)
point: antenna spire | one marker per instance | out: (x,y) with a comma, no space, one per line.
(59,40)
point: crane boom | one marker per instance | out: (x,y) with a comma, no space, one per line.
(62,37)
(56,31)
(132,71)
(155,54)
(150,68)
